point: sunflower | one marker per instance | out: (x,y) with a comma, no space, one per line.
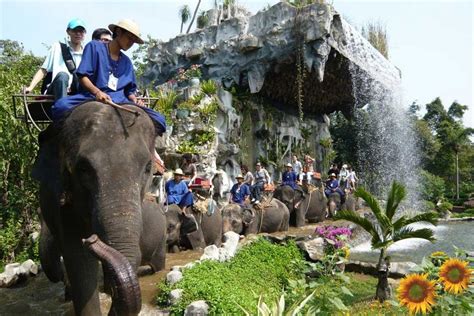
(417,293)
(455,275)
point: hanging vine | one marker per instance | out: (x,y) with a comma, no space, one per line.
(300,66)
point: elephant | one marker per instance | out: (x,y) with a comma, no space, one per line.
(272,218)
(207,228)
(314,205)
(334,203)
(292,199)
(94,168)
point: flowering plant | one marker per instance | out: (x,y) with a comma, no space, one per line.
(335,236)
(335,250)
(193,72)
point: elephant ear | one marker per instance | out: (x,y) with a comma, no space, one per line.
(47,167)
(248,216)
(189,224)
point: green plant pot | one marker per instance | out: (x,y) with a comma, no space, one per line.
(182,113)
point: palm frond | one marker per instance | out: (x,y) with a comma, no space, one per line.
(355,218)
(408,232)
(396,195)
(429,217)
(372,202)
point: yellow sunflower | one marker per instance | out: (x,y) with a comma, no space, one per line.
(455,275)
(417,293)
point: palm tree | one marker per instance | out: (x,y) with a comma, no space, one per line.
(184,13)
(194,16)
(386,230)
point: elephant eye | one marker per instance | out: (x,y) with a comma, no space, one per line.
(148,167)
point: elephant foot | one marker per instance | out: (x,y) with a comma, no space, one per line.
(145,270)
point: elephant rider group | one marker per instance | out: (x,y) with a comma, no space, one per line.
(332,186)
(178,192)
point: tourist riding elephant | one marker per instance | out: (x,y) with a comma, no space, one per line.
(94,169)
(272,218)
(207,229)
(292,198)
(314,205)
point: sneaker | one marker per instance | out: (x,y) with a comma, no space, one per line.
(252,201)
(257,202)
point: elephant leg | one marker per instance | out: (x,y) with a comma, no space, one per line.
(82,270)
(196,239)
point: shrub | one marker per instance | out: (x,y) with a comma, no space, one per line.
(433,187)
(259,268)
(209,87)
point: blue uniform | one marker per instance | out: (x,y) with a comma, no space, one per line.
(98,66)
(289,178)
(178,193)
(333,186)
(240,193)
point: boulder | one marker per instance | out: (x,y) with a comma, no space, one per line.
(229,247)
(30,266)
(174,277)
(210,253)
(175,295)
(314,248)
(197,308)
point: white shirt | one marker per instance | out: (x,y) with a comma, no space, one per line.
(54,62)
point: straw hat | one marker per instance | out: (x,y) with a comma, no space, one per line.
(332,175)
(239,176)
(128,25)
(289,165)
(178,172)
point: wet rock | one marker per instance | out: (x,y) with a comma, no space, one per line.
(197,308)
(313,248)
(8,279)
(175,295)
(397,269)
(174,277)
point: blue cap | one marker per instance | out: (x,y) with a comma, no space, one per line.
(76,23)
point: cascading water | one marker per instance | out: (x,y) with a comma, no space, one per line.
(386,141)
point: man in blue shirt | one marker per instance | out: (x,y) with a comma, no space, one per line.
(240,191)
(289,177)
(177,191)
(332,185)
(106,74)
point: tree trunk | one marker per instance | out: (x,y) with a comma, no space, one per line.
(194,16)
(181,29)
(383,291)
(457,176)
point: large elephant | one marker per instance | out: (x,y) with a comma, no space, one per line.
(94,170)
(335,203)
(206,231)
(292,199)
(272,218)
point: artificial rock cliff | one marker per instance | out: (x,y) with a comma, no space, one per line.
(261,53)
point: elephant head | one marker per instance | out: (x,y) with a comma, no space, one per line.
(234,220)
(292,199)
(105,163)
(178,226)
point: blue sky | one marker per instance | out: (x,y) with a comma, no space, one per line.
(430,41)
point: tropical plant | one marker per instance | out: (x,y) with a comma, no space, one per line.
(387,230)
(184,14)
(202,20)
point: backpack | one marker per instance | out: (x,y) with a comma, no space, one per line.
(71,67)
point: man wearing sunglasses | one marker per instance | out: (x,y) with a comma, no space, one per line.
(58,71)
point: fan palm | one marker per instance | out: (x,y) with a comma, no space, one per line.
(386,230)
(185,14)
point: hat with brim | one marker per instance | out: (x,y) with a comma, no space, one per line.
(178,172)
(75,23)
(130,26)
(289,165)
(332,175)
(239,176)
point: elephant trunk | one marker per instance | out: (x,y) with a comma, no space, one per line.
(126,290)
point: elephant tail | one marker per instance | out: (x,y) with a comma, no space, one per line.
(126,294)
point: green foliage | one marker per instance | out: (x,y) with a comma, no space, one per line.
(444,207)
(18,192)
(386,230)
(203,137)
(343,133)
(433,187)
(202,20)
(376,34)
(303,3)
(184,14)
(467,213)
(260,268)
(186,146)
(209,87)
(166,102)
